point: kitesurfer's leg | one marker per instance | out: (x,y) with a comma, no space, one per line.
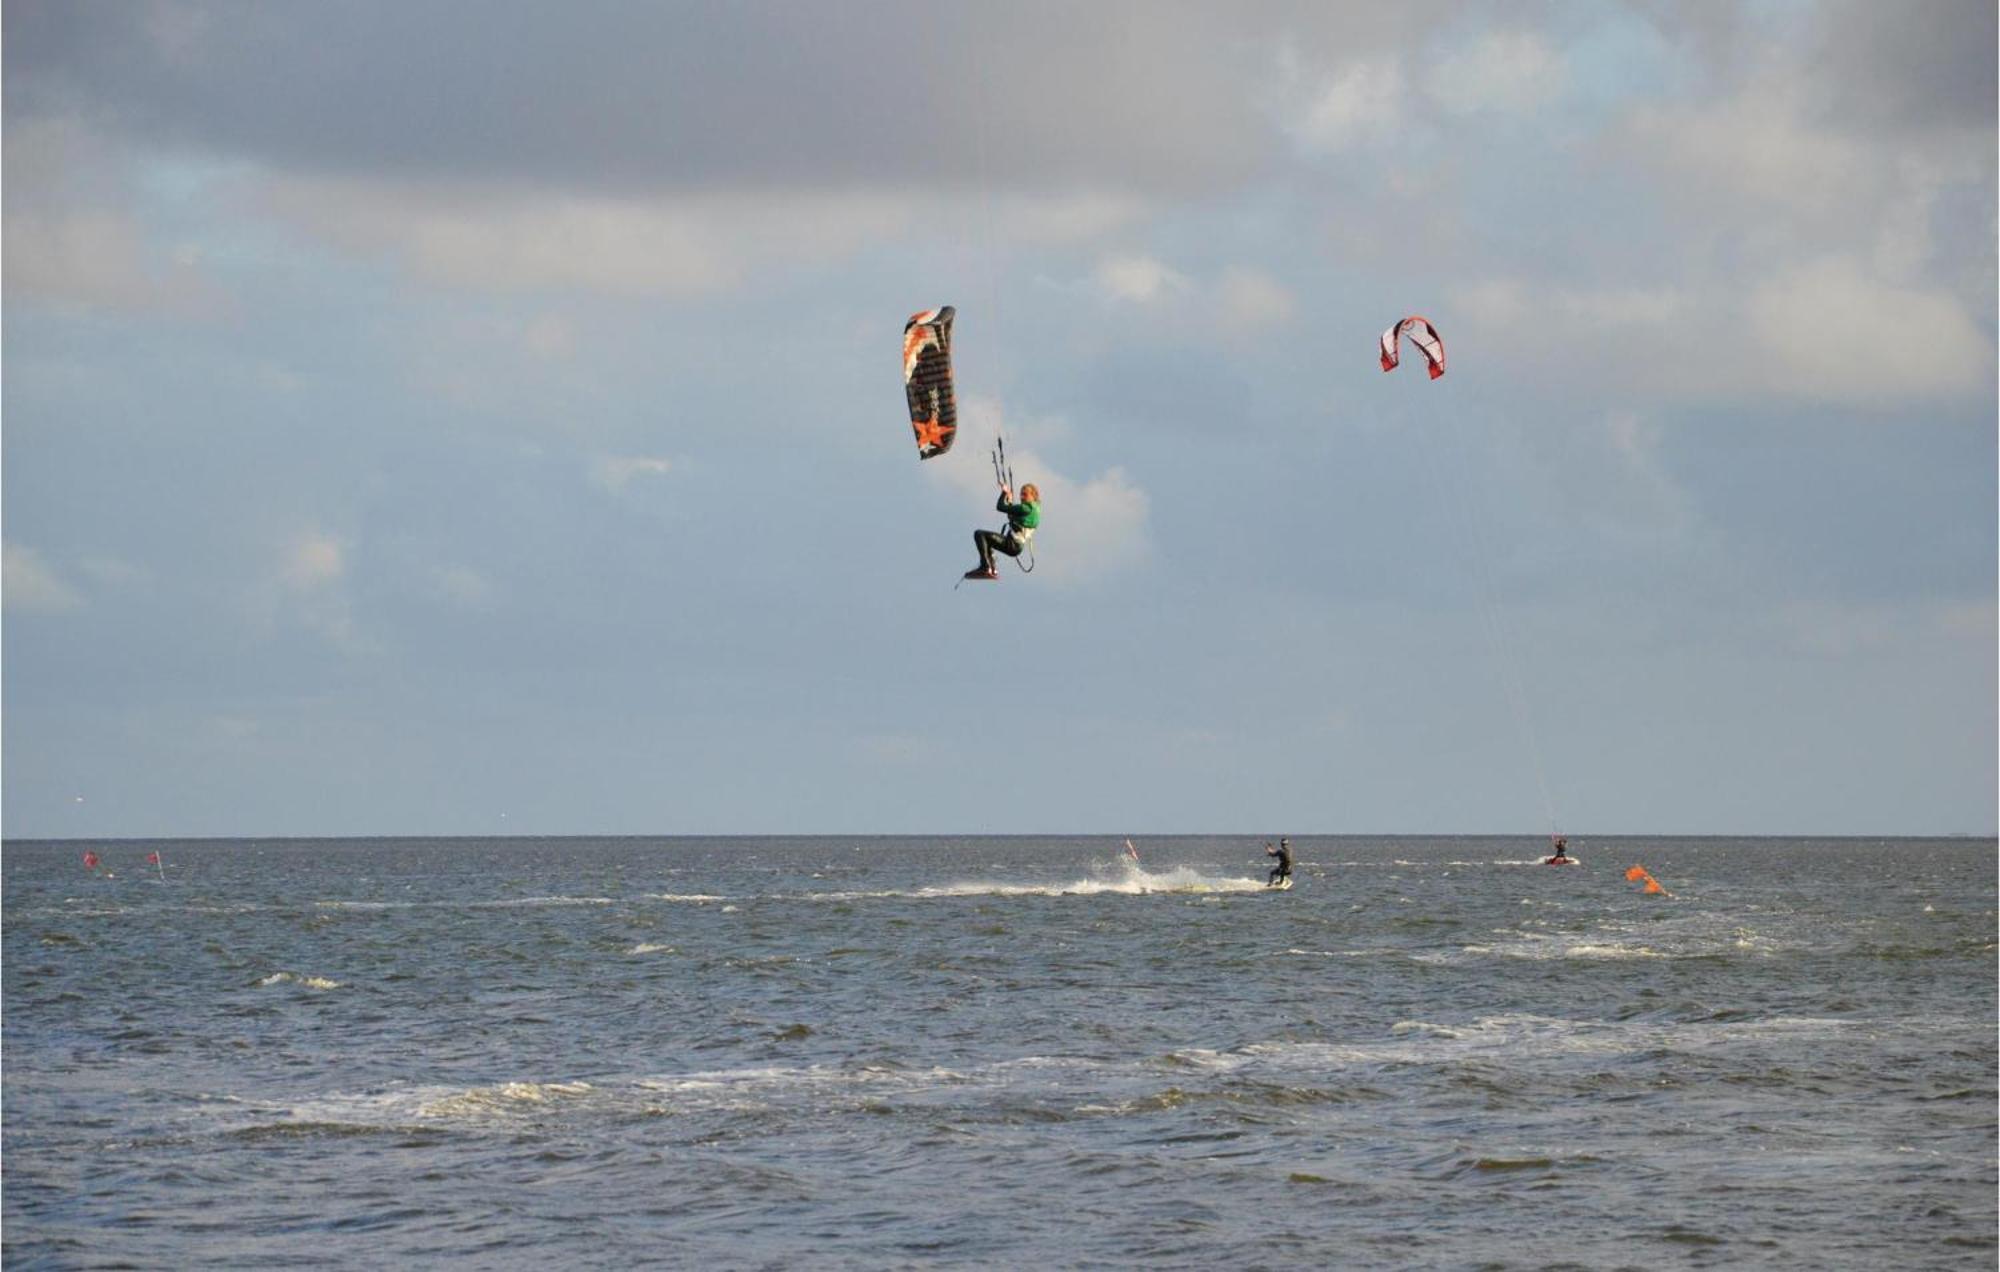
(988,542)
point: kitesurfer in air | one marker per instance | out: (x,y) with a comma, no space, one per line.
(1283,870)
(1022,519)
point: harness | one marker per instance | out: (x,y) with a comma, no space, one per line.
(1024,536)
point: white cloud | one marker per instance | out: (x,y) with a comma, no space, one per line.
(1509,72)
(1493,303)
(1100,523)
(1639,494)
(72,238)
(1044,220)
(667,245)
(1362,102)
(1832,629)
(314,561)
(1829,330)
(502,241)
(615,472)
(89,257)
(550,336)
(1139,279)
(28,584)
(1502,302)
(1753,145)
(462,586)
(1623,307)
(113,573)
(1249,297)
(312,592)
(95,258)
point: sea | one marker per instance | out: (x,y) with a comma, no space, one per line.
(999,1052)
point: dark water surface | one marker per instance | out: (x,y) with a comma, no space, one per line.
(1000,1052)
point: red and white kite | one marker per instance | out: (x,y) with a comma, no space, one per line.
(1422,335)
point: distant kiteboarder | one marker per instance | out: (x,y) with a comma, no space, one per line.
(1560,857)
(1281,874)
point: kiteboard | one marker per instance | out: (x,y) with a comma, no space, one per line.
(1280,885)
(1562,861)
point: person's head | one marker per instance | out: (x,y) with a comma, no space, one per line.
(1284,843)
(1029,494)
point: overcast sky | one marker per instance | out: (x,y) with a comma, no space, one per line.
(484,417)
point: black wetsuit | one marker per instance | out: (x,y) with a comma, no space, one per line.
(1283,870)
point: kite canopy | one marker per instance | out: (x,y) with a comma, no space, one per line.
(927,380)
(1422,335)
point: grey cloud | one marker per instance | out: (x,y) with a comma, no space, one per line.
(641,97)
(1908,66)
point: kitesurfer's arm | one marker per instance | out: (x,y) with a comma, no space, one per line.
(1026,514)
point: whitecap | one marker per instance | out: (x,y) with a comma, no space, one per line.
(289,978)
(1134,881)
(501,1098)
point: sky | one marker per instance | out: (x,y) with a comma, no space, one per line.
(482,417)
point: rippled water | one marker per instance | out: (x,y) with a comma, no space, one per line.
(1000,1052)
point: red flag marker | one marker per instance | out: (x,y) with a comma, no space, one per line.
(1652,888)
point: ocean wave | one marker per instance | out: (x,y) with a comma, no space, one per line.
(292,978)
(1182,880)
(504,1097)
(495,903)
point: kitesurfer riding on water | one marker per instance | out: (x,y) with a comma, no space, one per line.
(1022,518)
(1283,870)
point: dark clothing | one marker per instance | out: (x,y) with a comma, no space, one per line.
(1283,870)
(989,541)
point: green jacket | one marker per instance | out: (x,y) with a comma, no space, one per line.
(1020,516)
